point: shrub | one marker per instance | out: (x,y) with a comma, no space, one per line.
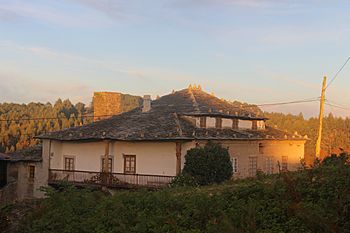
(184,180)
(208,165)
(311,200)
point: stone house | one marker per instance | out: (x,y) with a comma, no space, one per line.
(146,146)
(22,173)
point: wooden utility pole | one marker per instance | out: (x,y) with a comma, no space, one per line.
(318,143)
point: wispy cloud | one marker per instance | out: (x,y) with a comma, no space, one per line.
(259,4)
(52,12)
(68,57)
(17,87)
(109,7)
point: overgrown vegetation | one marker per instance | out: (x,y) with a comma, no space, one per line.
(205,165)
(16,133)
(314,200)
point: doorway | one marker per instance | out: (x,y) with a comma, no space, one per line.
(3,173)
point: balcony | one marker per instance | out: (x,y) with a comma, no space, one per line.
(111,180)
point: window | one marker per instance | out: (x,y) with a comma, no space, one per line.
(234,161)
(284,163)
(130,164)
(261,148)
(254,125)
(218,123)
(69,163)
(203,122)
(234,123)
(253,165)
(110,164)
(31,174)
(269,165)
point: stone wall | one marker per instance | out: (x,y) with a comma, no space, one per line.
(113,103)
(19,186)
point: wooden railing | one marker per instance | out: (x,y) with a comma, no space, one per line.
(117,180)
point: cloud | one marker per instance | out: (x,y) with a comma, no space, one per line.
(20,89)
(237,3)
(109,7)
(72,58)
(53,12)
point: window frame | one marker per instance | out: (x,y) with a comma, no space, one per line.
(128,171)
(253,160)
(218,122)
(70,158)
(110,158)
(234,123)
(269,167)
(261,148)
(234,161)
(203,122)
(31,172)
(284,163)
(254,125)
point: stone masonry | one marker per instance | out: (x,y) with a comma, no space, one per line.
(107,104)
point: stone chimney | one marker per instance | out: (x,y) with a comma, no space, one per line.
(146,103)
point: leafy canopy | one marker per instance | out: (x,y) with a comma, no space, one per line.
(209,164)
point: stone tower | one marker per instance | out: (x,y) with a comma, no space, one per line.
(107,104)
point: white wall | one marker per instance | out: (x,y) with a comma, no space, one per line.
(157,158)
(226,123)
(87,155)
(245,124)
(211,122)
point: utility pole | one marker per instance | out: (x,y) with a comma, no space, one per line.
(318,143)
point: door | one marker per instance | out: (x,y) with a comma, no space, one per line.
(3,173)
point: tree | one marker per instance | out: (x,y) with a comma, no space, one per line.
(16,134)
(209,164)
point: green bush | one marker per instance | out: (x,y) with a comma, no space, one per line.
(208,165)
(184,180)
(312,200)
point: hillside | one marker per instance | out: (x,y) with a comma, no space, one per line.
(313,200)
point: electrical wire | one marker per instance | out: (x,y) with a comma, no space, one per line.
(290,102)
(336,75)
(52,118)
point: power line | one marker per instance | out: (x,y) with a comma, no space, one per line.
(99,116)
(335,103)
(24,134)
(52,118)
(335,76)
(290,102)
(336,106)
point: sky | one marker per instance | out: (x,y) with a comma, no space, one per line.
(255,51)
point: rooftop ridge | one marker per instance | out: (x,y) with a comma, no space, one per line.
(177,121)
(194,101)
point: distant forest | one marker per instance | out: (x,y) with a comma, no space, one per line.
(335,134)
(20,122)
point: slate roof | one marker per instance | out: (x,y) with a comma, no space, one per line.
(165,121)
(30,154)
